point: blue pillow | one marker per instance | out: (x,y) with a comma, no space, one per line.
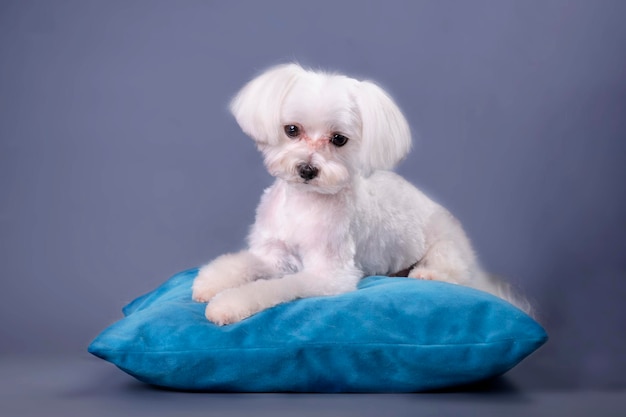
(391,335)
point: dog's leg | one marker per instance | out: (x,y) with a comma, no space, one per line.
(228,271)
(236,304)
(449,256)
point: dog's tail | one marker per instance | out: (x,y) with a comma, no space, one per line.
(503,289)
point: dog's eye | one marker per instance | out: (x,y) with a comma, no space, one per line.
(292,131)
(338,140)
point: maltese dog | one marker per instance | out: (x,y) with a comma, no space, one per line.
(335,213)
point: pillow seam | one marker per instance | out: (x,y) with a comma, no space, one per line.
(407,345)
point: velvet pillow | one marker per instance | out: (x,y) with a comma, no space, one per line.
(391,335)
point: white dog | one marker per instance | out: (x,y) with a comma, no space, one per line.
(335,213)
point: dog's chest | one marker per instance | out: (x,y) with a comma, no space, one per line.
(300,219)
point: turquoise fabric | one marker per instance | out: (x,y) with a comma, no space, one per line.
(391,335)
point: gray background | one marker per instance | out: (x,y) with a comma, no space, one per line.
(120,165)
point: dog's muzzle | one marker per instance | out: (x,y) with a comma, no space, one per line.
(307,171)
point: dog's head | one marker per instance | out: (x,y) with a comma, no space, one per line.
(320,129)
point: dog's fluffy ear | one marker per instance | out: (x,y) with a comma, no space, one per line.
(386,137)
(257,105)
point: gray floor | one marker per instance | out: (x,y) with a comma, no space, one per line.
(82,385)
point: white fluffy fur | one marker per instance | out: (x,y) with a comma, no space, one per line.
(320,236)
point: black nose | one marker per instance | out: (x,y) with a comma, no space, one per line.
(307,172)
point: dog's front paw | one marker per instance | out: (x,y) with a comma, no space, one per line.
(202,292)
(228,307)
(206,285)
